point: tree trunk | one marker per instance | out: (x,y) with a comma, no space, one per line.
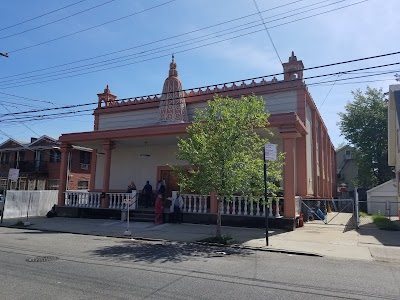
(218,233)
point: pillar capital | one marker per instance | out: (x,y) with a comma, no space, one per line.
(108,145)
(289,133)
(65,147)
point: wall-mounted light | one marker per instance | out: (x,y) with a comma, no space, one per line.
(144,154)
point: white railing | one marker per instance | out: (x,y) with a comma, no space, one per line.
(93,199)
(82,199)
(250,206)
(120,200)
(195,203)
(233,205)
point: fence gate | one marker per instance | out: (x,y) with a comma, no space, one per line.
(329,211)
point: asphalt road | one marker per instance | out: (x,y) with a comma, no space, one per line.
(90,267)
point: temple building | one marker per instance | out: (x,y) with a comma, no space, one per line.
(135,139)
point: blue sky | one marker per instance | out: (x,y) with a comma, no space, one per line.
(364,29)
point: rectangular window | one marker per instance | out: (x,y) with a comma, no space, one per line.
(55,156)
(5,158)
(83,185)
(347,154)
(53,184)
(85,157)
(21,155)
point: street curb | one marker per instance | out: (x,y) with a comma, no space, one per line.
(265,249)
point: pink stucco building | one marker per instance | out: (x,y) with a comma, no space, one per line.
(135,140)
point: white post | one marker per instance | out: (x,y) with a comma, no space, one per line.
(277,215)
(127,232)
(357,208)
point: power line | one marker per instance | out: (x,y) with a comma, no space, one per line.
(79,112)
(55,21)
(26,98)
(224,84)
(17,118)
(185,50)
(63,115)
(48,13)
(92,27)
(330,90)
(266,29)
(164,39)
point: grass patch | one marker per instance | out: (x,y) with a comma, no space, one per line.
(363,214)
(384,223)
(222,240)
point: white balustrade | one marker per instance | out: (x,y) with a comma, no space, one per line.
(250,206)
(93,199)
(194,203)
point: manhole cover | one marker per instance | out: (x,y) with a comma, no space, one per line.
(42,258)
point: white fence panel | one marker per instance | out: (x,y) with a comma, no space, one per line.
(35,203)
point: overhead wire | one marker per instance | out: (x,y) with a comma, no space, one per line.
(90,28)
(42,15)
(181,51)
(266,29)
(160,40)
(55,21)
(205,93)
(256,78)
(78,113)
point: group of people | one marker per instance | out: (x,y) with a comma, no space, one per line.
(160,191)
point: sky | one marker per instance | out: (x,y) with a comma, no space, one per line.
(128,45)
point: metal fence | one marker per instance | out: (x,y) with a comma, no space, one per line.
(329,211)
(385,213)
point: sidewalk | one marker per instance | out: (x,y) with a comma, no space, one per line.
(330,241)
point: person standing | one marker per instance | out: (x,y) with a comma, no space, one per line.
(147,192)
(178,205)
(159,209)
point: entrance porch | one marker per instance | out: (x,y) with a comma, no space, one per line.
(236,210)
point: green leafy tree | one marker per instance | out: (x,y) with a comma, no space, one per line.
(364,124)
(224,150)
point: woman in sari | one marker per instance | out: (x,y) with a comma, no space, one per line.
(159,209)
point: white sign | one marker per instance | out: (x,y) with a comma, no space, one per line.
(13,174)
(270,151)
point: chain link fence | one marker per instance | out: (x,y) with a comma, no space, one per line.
(381,214)
(329,211)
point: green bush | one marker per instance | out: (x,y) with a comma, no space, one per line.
(384,223)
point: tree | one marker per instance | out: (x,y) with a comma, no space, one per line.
(225,151)
(364,124)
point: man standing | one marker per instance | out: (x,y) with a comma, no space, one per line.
(178,204)
(147,191)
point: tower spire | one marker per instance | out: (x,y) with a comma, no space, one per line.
(172,107)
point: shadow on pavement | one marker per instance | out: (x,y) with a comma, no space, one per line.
(370,234)
(164,252)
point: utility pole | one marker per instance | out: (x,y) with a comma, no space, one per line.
(4,54)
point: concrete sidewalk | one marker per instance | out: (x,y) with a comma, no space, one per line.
(330,241)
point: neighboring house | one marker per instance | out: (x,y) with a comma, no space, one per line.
(135,139)
(394,132)
(346,170)
(39,165)
(382,199)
